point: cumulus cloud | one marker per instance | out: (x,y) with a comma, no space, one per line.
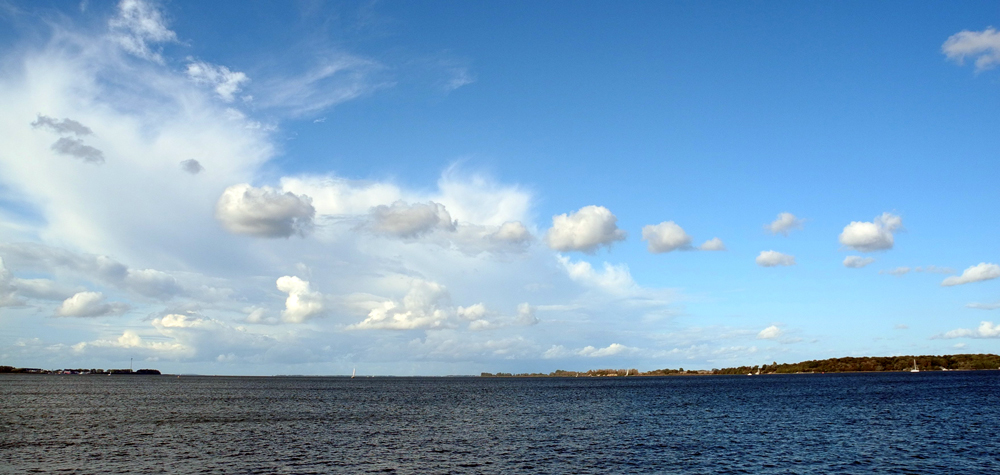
(714,244)
(512,232)
(264,212)
(90,304)
(226,83)
(665,237)
(857,262)
(302,303)
(876,235)
(985,330)
(774,258)
(770,333)
(409,221)
(138,25)
(65,126)
(982,45)
(976,273)
(426,305)
(585,230)
(192,166)
(76,148)
(784,224)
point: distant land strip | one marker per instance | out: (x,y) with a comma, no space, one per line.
(832,365)
(11,369)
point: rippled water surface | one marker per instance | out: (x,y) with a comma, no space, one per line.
(924,423)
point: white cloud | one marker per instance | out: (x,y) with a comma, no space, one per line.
(138,25)
(983,45)
(876,235)
(302,303)
(984,306)
(985,330)
(774,258)
(784,224)
(334,79)
(976,273)
(224,82)
(90,304)
(338,196)
(559,351)
(585,230)
(770,333)
(857,262)
(264,212)
(614,279)
(714,244)
(665,237)
(426,305)
(409,221)
(899,271)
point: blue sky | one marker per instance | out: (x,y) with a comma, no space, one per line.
(407,188)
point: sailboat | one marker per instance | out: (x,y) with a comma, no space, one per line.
(354,372)
(915,369)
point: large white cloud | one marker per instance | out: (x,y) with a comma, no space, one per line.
(983,45)
(774,259)
(409,220)
(977,273)
(264,212)
(784,224)
(90,304)
(876,235)
(302,302)
(585,230)
(426,305)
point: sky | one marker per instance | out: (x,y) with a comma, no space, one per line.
(415,188)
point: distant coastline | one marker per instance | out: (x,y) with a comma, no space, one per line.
(94,371)
(862,364)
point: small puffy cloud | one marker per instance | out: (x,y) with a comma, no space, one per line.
(76,148)
(774,258)
(192,166)
(226,83)
(585,230)
(770,333)
(899,271)
(976,273)
(714,244)
(665,237)
(138,25)
(985,330)
(65,126)
(264,212)
(876,235)
(409,221)
(89,304)
(857,262)
(984,306)
(424,306)
(614,279)
(302,303)
(982,45)
(784,224)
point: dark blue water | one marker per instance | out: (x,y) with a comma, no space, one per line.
(926,423)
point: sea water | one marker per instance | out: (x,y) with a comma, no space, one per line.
(922,423)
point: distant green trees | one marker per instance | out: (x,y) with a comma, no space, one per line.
(875,363)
